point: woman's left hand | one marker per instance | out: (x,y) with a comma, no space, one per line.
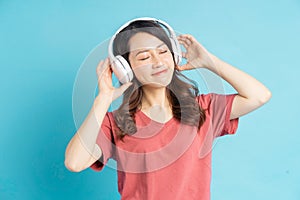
(196,55)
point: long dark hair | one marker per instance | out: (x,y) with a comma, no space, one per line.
(181,92)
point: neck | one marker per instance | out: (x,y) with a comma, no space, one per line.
(155,104)
(155,97)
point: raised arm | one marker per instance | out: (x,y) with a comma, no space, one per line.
(251,93)
(82,150)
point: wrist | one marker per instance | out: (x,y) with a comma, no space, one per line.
(214,63)
(103,99)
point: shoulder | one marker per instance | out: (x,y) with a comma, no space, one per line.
(204,100)
(108,120)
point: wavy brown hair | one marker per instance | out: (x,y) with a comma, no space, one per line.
(181,92)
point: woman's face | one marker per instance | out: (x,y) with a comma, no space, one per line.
(151,60)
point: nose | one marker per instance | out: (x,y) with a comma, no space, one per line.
(156,60)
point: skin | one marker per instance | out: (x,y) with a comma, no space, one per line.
(82,150)
(148,56)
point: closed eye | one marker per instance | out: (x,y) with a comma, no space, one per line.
(162,52)
(145,58)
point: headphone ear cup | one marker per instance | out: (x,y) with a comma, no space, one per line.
(122,69)
(176,50)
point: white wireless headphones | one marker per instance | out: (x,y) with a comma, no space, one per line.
(121,67)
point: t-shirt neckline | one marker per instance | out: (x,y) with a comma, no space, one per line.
(143,115)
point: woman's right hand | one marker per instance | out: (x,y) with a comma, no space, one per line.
(106,89)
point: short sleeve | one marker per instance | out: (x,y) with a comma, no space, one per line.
(105,141)
(218,108)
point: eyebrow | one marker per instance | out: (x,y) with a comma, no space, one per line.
(148,49)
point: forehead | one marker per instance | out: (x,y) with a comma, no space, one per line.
(143,40)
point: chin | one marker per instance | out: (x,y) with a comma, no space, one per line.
(158,84)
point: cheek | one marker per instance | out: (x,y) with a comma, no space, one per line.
(141,71)
(169,60)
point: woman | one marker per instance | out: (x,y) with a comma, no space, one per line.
(161,136)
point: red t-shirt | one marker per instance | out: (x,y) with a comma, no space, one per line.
(169,160)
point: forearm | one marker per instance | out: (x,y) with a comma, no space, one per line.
(88,131)
(83,144)
(246,85)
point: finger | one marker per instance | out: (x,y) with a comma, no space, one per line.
(103,68)
(186,66)
(125,86)
(182,67)
(183,39)
(183,54)
(186,38)
(122,89)
(183,43)
(103,64)
(99,67)
(187,41)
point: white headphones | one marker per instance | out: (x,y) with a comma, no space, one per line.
(121,67)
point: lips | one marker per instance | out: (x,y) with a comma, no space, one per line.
(159,72)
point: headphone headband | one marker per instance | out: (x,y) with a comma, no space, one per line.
(169,28)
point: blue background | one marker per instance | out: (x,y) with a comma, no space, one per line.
(44,43)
